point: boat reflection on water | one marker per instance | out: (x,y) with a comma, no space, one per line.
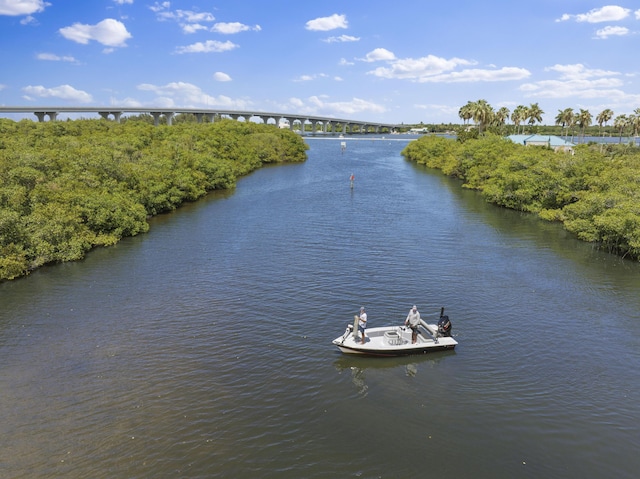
(358,365)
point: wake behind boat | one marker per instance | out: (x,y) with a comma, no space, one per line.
(396,340)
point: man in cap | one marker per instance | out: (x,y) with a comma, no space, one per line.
(362,322)
(413,321)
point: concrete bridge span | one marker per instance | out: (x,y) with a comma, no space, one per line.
(318,123)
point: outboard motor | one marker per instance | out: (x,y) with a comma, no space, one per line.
(444,326)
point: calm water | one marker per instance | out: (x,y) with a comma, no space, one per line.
(203,349)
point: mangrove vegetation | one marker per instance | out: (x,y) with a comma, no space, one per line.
(594,190)
(68,187)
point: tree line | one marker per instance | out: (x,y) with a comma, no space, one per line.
(68,187)
(593,192)
(485,117)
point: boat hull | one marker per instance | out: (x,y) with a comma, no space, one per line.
(393,341)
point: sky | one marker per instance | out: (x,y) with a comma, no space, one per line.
(403,61)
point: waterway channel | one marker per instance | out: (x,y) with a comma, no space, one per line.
(203,348)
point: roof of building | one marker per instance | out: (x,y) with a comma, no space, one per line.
(551,140)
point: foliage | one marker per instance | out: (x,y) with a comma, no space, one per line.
(67,187)
(595,192)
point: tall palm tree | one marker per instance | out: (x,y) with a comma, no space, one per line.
(583,120)
(519,115)
(620,123)
(482,113)
(565,118)
(603,117)
(465,112)
(634,124)
(534,114)
(501,116)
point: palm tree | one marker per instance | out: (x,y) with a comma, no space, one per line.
(583,120)
(565,118)
(534,114)
(501,116)
(519,114)
(482,113)
(465,112)
(620,123)
(603,117)
(634,123)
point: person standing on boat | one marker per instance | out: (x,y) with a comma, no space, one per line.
(362,322)
(413,321)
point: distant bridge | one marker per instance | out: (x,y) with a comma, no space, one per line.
(318,123)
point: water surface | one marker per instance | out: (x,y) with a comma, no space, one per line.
(203,348)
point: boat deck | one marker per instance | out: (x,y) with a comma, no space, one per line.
(393,341)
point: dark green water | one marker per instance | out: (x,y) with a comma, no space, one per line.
(203,349)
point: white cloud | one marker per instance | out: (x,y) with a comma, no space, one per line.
(109,32)
(64,92)
(193,27)
(637,14)
(609,13)
(159,7)
(576,88)
(310,77)
(207,47)
(296,103)
(579,71)
(189,20)
(189,95)
(440,70)
(352,107)
(576,81)
(608,31)
(127,102)
(220,76)
(324,24)
(28,20)
(473,75)
(231,28)
(342,38)
(22,7)
(345,62)
(318,105)
(379,54)
(186,16)
(122,2)
(55,58)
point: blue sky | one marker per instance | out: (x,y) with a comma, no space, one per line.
(405,61)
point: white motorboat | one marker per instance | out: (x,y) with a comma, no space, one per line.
(396,340)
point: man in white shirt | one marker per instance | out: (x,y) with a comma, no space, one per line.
(413,321)
(362,322)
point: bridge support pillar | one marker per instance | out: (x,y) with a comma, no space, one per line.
(156,117)
(116,115)
(41,114)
